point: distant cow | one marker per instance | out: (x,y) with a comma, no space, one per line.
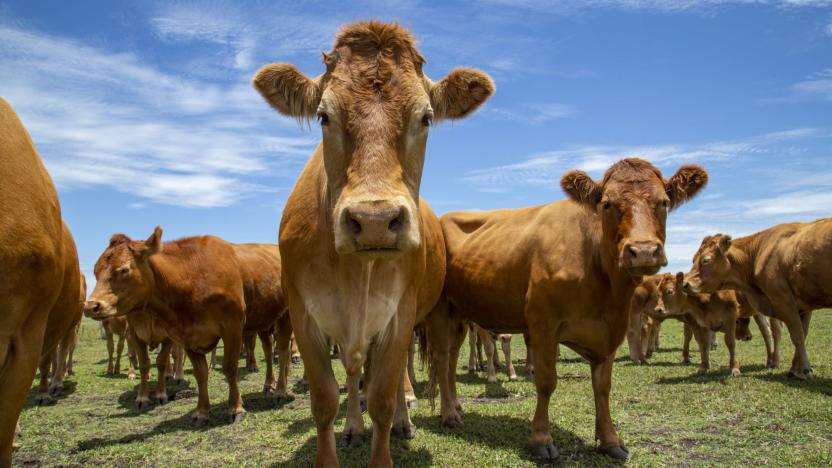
(117,326)
(563,272)
(192,287)
(39,274)
(643,329)
(363,257)
(782,271)
(480,337)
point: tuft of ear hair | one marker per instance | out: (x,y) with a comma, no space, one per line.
(680,280)
(460,93)
(118,239)
(581,188)
(288,90)
(724,242)
(154,242)
(685,184)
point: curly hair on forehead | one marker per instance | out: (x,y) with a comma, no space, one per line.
(631,169)
(372,37)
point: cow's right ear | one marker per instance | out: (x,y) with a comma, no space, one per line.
(153,244)
(288,90)
(581,188)
(723,242)
(680,281)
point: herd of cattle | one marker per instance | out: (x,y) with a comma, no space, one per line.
(363,262)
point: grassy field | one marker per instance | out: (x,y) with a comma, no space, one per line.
(666,413)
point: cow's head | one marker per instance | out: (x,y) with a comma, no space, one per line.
(711,265)
(670,297)
(633,201)
(124,280)
(375,107)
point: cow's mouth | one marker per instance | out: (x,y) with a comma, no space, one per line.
(643,270)
(378,252)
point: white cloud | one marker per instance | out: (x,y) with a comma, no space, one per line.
(534,114)
(104,118)
(567,6)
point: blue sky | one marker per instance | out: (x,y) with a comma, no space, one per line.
(145,115)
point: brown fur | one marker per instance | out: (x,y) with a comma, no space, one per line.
(192,287)
(118,326)
(643,329)
(39,271)
(364,285)
(782,271)
(554,271)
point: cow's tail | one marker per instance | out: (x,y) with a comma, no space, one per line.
(425,362)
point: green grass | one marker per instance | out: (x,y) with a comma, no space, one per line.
(666,414)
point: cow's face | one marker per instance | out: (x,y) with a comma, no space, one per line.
(375,108)
(632,201)
(124,280)
(670,296)
(710,265)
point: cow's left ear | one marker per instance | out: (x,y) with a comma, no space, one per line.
(680,281)
(153,244)
(460,93)
(685,184)
(580,187)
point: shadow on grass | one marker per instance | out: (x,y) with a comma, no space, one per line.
(69,389)
(822,385)
(400,451)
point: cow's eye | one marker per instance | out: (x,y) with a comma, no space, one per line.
(123,270)
(706,259)
(323,119)
(427,119)
(606,205)
(670,292)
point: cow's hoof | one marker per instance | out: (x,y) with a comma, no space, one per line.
(267,389)
(281,398)
(546,453)
(772,364)
(56,390)
(296,359)
(618,452)
(237,416)
(412,403)
(161,398)
(44,399)
(799,376)
(491,380)
(199,420)
(453,421)
(351,439)
(686,361)
(15,446)
(110,372)
(131,376)
(251,368)
(142,403)
(735,372)
(512,378)
(406,431)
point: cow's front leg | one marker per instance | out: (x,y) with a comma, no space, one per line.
(162,362)
(283,345)
(505,341)
(203,406)
(233,341)
(267,343)
(388,364)
(108,333)
(142,399)
(611,444)
(441,325)
(490,355)
(703,340)
(800,362)
(45,364)
(776,337)
(354,426)
(731,344)
(403,428)
(544,347)
(688,334)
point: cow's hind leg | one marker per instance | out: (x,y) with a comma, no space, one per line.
(233,342)
(203,406)
(444,330)
(142,399)
(267,343)
(283,345)
(490,350)
(505,341)
(45,364)
(119,350)
(162,362)
(18,360)
(108,333)
(611,444)
(688,334)
(765,330)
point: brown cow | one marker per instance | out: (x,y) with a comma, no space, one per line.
(783,271)
(478,336)
(564,273)
(363,256)
(192,287)
(39,274)
(118,326)
(265,310)
(643,329)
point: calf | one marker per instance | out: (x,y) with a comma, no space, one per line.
(478,336)
(643,328)
(192,287)
(363,255)
(783,271)
(117,326)
(564,273)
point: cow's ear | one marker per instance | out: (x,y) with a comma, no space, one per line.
(153,244)
(118,239)
(460,93)
(685,184)
(288,90)
(680,281)
(581,188)
(723,242)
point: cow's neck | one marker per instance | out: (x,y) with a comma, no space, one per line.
(742,255)
(621,284)
(158,304)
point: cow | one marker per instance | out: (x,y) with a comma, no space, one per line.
(265,311)
(643,329)
(362,253)
(118,326)
(564,273)
(477,337)
(782,271)
(39,273)
(192,288)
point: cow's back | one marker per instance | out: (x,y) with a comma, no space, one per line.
(260,271)
(31,241)
(495,256)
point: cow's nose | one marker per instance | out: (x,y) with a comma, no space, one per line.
(688,288)
(375,226)
(644,254)
(659,310)
(91,308)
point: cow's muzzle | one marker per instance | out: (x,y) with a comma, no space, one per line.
(641,258)
(97,310)
(377,228)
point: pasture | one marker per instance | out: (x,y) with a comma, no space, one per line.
(666,413)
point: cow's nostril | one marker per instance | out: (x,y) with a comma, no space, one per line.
(354,225)
(96,307)
(395,223)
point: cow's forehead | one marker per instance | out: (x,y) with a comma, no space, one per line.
(112,257)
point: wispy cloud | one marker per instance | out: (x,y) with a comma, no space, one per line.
(542,169)
(567,6)
(104,118)
(534,114)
